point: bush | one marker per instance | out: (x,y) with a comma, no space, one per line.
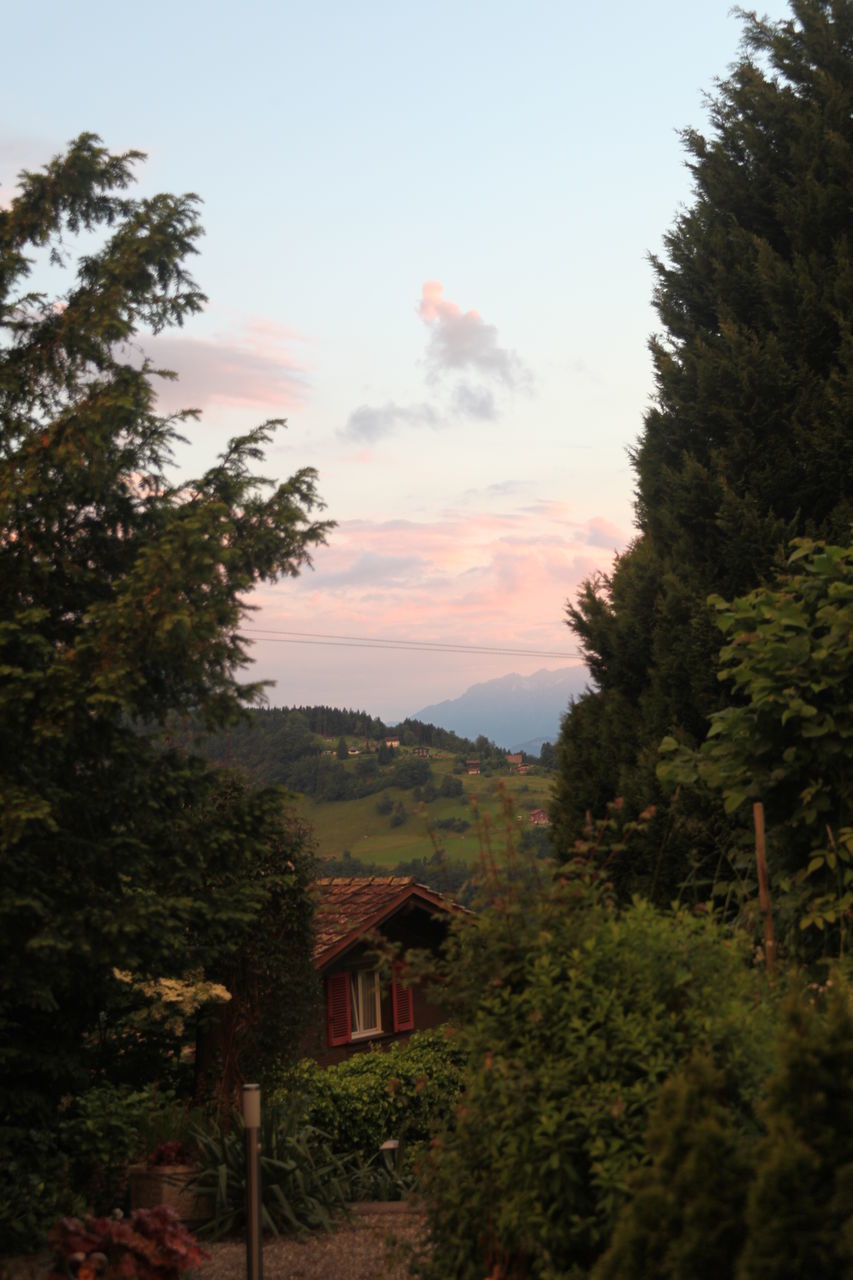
(407,1092)
(718,1202)
(451,786)
(573,1015)
(152,1244)
(302,1182)
(35,1188)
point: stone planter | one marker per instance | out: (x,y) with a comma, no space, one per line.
(167,1184)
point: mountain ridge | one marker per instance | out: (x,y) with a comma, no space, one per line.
(514,711)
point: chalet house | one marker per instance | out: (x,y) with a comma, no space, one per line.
(421,751)
(514,759)
(473,766)
(354,917)
(539,818)
(394,743)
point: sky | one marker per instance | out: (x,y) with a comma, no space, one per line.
(427,229)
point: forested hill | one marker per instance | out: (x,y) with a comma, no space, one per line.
(297,747)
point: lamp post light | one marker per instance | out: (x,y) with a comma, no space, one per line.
(252,1123)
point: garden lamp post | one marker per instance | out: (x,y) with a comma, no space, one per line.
(252,1123)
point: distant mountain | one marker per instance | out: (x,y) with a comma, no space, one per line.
(514,711)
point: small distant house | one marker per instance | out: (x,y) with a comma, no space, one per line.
(421,751)
(473,766)
(393,742)
(514,759)
(354,917)
(539,818)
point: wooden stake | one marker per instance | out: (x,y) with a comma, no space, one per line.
(764,885)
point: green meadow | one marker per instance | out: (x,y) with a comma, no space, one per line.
(488,803)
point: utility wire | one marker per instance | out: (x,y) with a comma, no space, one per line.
(323,639)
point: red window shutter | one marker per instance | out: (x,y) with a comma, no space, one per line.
(401,1000)
(337,1008)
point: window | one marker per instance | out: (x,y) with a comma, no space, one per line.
(366,1011)
(354,1005)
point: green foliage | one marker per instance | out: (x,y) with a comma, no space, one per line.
(399,816)
(152,1244)
(572,1014)
(411,771)
(342,751)
(686,1212)
(719,1199)
(747,443)
(451,786)
(35,1187)
(786,738)
(799,1213)
(123,597)
(302,1182)
(407,1092)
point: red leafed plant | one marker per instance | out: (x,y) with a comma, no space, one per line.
(169,1153)
(150,1244)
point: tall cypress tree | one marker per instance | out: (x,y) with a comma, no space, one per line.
(749,441)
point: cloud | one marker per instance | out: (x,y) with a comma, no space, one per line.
(474,402)
(371,422)
(374,569)
(461,340)
(251,369)
(475,577)
(602,533)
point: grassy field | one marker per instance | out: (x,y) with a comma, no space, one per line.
(355,825)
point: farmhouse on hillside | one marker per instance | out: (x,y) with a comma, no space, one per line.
(354,916)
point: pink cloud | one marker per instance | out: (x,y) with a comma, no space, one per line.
(483,578)
(461,340)
(253,369)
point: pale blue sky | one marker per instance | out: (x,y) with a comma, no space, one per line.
(526,157)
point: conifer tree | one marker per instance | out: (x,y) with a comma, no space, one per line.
(121,600)
(748,442)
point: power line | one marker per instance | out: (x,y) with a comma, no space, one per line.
(322,639)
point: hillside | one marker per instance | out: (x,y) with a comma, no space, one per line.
(382,804)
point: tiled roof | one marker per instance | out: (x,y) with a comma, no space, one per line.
(349,906)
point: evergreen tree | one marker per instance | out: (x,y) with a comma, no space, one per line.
(748,442)
(121,599)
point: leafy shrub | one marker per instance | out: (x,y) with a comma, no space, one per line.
(573,1014)
(686,1213)
(384,804)
(717,1202)
(458,825)
(411,771)
(407,1092)
(398,817)
(109,1126)
(152,1244)
(302,1181)
(35,1188)
(451,786)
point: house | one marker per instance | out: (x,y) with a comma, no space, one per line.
(421,751)
(514,759)
(354,916)
(394,743)
(539,818)
(473,766)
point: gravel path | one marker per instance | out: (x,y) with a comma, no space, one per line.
(373,1245)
